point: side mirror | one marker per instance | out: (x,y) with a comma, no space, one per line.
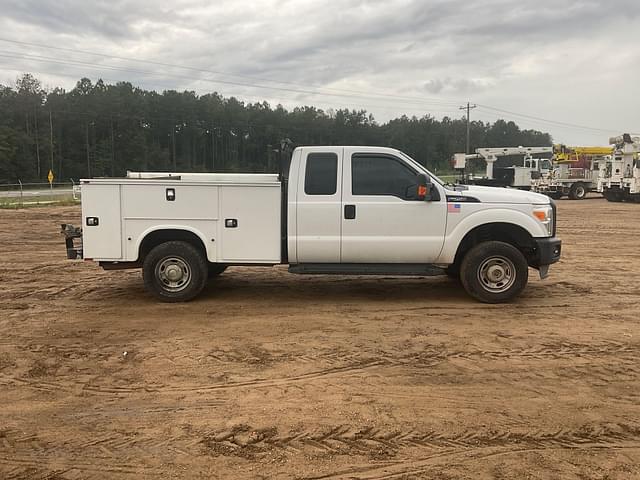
(424,188)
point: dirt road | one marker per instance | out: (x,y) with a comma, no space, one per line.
(270,375)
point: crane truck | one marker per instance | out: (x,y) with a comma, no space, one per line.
(330,210)
(575,172)
(620,176)
(516,176)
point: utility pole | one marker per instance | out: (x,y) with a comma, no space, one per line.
(213,148)
(468,108)
(88,151)
(51,140)
(35,117)
(113,148)
(173,144)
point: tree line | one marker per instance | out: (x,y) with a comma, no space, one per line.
(99,129)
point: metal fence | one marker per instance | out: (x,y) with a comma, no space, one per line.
(23,194)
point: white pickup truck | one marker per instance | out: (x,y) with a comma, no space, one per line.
(336,210)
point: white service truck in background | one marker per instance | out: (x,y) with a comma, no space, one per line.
(335,210)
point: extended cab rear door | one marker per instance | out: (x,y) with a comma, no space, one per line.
(319,205)
(381,222)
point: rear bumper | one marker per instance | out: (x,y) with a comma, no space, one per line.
(547,251)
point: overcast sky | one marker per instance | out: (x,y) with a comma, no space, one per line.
(570,64)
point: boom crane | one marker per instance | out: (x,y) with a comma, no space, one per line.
(518,176)
(620,176)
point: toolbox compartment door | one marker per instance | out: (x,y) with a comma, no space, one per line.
(101,222)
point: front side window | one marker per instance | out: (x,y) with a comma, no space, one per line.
(321,177)
(382,175)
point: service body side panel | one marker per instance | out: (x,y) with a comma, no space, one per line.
(256,236)
(102,241)
(145,208)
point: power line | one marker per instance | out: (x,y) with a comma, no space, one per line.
(546,120)
(45,59)
(201,70)
(345,93)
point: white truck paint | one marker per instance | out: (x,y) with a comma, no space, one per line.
(363,210)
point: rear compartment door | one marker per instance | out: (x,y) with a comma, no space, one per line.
(319,206)
(101,221)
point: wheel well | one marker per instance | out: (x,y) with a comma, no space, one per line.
(501,232)
(157,237)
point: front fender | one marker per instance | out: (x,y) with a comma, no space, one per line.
(456,230)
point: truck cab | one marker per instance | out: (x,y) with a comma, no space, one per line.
(337,210)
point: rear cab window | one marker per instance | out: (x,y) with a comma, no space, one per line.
(321,176)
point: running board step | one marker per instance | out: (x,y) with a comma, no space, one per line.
(415,269)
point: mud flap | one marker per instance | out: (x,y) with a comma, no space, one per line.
(543,270)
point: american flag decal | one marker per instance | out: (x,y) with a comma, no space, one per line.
(454,207)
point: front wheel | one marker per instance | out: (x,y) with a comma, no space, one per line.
(494,272)
(174,271)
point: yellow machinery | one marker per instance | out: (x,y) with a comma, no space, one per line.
(564,154)
(575,171)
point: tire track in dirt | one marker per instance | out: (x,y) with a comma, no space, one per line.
(348,439)
(474,445)
(627,363)
(111,452)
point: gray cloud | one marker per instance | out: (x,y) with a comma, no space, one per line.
(568,60)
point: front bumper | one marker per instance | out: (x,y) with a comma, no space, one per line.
(547,251)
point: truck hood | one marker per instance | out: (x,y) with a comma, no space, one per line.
(499,195)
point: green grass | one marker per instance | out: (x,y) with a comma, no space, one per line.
(39,201)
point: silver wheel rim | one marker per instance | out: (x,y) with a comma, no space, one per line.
(497,274)
(174,274)
(580,192)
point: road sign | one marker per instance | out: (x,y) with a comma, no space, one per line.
(50,177)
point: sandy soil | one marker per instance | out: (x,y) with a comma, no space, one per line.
(271,375)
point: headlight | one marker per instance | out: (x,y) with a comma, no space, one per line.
(545,216)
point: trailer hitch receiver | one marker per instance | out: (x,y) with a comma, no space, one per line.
(71,236)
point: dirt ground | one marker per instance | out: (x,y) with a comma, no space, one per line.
(271,375)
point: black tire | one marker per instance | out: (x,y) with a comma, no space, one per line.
(612,196)
(216,269)
(174,271)
(578,191)
(481,268)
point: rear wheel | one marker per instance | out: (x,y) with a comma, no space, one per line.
(174,271)
(578,191)
(494,272)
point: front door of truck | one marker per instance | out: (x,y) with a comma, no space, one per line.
(319,203)
(382,221)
